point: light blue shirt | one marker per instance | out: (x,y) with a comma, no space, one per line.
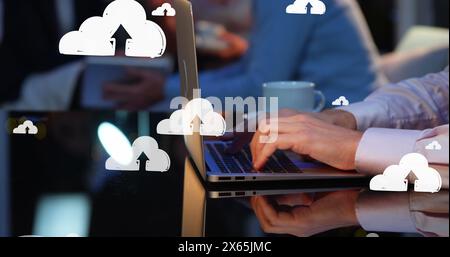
(334,50)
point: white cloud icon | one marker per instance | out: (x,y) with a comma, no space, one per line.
(181,121)
(26,128)
(301,7)
(164,10)
(94,37)
(434,146)
(391,180)
(341,101)
(395,179)
(157,159)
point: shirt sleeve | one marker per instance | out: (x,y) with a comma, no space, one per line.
(385,212)
(380,148)
(52,90)
(407,212)
(430,213)
(412,104)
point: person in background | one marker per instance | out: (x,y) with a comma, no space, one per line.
(35,75)
(371,135)
(235,15)
(334,50)
(219,20)
(29,47)
(231,20)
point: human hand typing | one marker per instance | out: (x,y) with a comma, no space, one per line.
(307,135)
(306,215)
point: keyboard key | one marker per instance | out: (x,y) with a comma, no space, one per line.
(217,159)
(229,160)
(242,161)
(284,161)
(274,166)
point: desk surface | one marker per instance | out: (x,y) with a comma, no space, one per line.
(68,160)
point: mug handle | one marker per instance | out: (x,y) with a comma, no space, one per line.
(322,101)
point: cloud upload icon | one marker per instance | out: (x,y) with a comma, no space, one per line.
(126,157)
(316,7)
(164,10)
(182,122)
(156,160)
(26,128)
(394,178)
(341,101)
(94,37)
(434,146)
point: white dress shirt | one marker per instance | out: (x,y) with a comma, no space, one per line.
(418,103)
(406,212)
(400,119)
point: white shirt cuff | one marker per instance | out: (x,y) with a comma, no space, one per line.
(379,148)
(385,212)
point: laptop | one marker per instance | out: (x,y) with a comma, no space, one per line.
(209,157)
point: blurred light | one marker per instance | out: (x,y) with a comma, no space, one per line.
(115,143)
(62,215)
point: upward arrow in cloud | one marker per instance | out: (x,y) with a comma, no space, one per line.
(196,123)
(121,35)
(143,158)
(308,7)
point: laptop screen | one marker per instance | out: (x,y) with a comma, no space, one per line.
(4,180)
(187,62)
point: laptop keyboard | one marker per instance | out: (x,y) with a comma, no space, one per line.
(242,161)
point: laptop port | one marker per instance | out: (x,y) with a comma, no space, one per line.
(224,194)
(224,178)
(240,178)
(240,193)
